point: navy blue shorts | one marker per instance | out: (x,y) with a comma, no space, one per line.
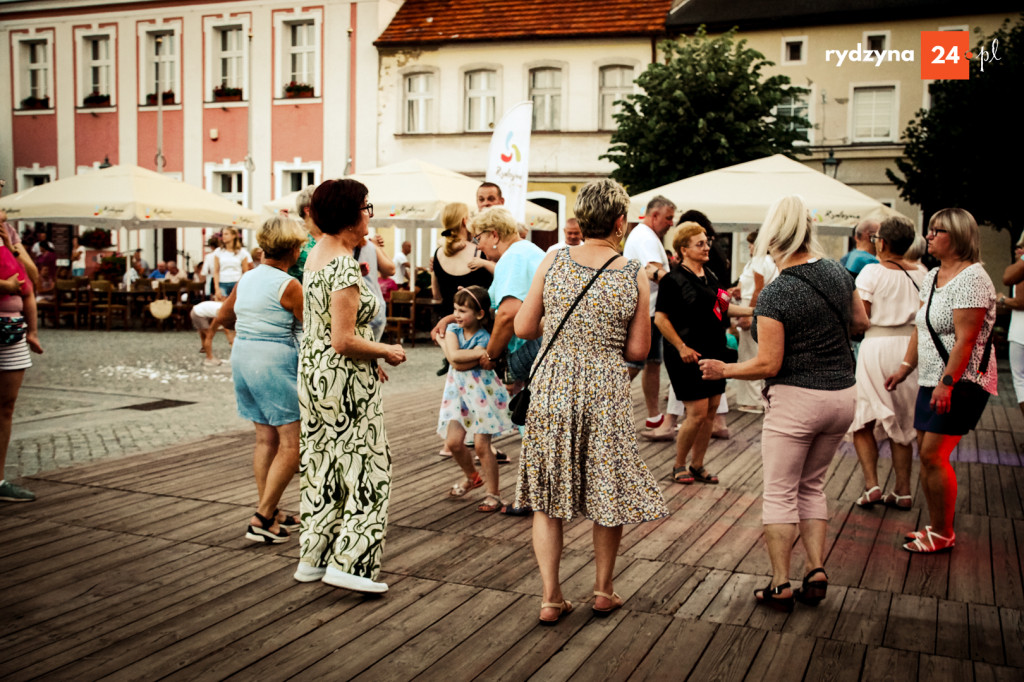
(654,355)
(966,405)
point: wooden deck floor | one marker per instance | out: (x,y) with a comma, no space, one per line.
(137,569)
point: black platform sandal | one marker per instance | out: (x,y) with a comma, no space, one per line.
(290,520)
(769,596)
(813,591)
(262,532)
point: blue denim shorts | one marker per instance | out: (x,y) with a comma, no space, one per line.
(266,375)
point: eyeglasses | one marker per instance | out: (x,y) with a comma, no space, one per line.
(874,238)
(476,239)
(368,208)
(932,231)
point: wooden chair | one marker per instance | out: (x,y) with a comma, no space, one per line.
(70,301)
(402,314)
(103,306)
(48,308)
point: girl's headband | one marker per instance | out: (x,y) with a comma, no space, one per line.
(473,296)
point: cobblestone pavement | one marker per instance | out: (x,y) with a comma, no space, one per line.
(76,403)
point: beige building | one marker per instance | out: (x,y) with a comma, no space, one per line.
(858,105)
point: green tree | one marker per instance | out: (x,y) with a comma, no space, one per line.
(960,151)
(705,107)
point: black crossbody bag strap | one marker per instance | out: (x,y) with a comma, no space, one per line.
(566,317)
(905,273)
(831,306)
(943,353)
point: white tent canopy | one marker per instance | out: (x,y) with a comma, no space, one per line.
(412,194)
(129,197)
(738,197)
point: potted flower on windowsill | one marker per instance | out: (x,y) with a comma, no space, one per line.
(225,93)
(35,103)
(95,99)
(294,90)
(168,97)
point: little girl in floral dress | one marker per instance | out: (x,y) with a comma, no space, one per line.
(474,400)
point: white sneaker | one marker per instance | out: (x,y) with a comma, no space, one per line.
(309,574)
(355,583)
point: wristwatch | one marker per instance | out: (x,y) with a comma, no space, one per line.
(947,380)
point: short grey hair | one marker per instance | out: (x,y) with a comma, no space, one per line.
(598,205)
(898,232)
(657,202)
(866,228)
(304,200)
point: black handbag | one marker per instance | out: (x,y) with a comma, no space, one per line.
(520,403)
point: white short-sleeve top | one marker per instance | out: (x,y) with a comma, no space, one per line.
(893,295)
(971,288)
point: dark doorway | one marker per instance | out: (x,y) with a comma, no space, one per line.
(546,239)
(168,244)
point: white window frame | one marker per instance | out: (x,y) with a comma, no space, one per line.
(886,34)
(296,165)
(429,99)
(599,68)
(494,93)
(22,67)
(557,123)
(282,31)
(784,59)
(83,40)
(212,28)
(955,27)
(212,171)
(809,100)
(895,113)
(147,33)
(23,173)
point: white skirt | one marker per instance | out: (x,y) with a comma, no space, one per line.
(15,356)
(892,412)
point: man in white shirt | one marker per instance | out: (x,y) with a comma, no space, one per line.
(401,276)
(644,244)
(573,236)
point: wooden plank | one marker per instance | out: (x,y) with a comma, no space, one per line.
(848,558)
(1013,636)
(623,650)
(944,669)
(676,652)
(703,594)
(1008,585)
(1012,502)
(881,663)
(782,656)
(729,654)
(817,621)
(970,563)
(862,617)
(985,672)
(742,536)
(836,661)
(911,623)
(986,639)
(361,617)
(667,589)
(952,636)
(887,564)
(579,647)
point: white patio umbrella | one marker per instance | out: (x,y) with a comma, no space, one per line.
(412,194)
(129,197)
(740,195)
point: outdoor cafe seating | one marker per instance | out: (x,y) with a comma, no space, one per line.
(100,304)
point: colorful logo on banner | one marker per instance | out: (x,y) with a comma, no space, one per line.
(511,149)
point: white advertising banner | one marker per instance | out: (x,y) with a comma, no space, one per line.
(508,160)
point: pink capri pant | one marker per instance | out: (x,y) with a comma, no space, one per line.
(802,429)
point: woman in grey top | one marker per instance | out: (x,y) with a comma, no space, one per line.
(802,324)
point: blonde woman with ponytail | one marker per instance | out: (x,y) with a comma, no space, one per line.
(802,326)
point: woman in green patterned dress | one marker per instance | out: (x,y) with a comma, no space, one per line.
(345,471)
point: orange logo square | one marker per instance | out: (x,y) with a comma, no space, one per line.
(944,55)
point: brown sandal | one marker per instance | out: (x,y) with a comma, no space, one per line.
(615,599)
(564,608)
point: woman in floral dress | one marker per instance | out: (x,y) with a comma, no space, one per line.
(345,471)
(580,453)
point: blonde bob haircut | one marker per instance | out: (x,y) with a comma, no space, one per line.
(451,218)
(279,236)
(598,206)
(684,233)
(962,230)
(495,219)
(787,229)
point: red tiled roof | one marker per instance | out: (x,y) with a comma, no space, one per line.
(449,21)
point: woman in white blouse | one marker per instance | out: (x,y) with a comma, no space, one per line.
(950,346)
(229,262)
(757,273)
(890,291)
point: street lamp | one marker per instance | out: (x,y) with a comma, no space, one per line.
(831,164)
(106,162)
